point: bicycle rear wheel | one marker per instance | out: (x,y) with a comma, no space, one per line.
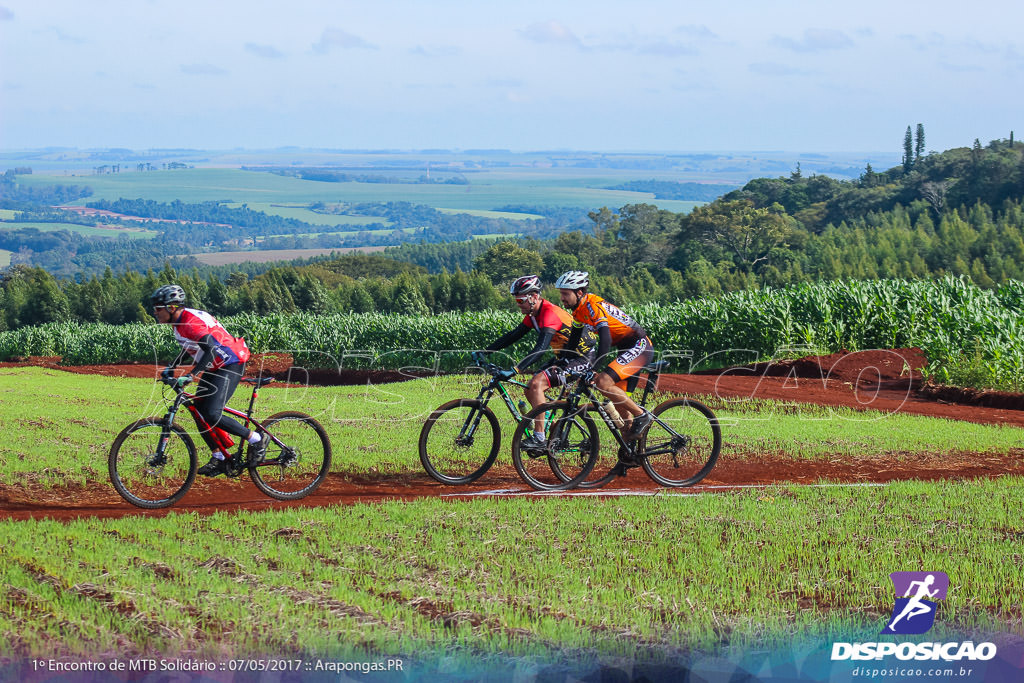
(459,441)
(145,479)
(681,447)
(297,468)
(569,455)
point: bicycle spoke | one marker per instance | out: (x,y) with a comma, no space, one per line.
(297,465)
(681,447)
(144,478)
(459,442)
(569,452)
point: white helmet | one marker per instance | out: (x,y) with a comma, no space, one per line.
(573,279)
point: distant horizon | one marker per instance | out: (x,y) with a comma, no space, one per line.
(702,166)
(442,150)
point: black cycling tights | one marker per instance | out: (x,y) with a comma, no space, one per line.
(214,390)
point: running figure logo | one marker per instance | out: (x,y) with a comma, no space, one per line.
(917,594)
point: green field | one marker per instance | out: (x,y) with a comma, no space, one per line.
(91,230)
(542,579)
(495,214)
(555,188)
(223,258)
(497,236)
(379,424)
(7,214)
(5,258)
(466,583)
(301,213)
(343,233)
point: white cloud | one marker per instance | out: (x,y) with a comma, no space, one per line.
(816,40)
(505,83)
(550,32)
(265,51)
(959,67)
(664,49)
(775,69)
(438,51)
(66,37)
(335,37)
(697,31)
(204,69)
(930,41)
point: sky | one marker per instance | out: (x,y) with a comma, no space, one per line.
(595,75)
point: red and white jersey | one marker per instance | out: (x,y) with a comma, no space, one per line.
(193,325)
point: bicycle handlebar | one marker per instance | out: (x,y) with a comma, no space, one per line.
(480,360)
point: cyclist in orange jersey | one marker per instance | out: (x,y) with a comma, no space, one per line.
(614,328)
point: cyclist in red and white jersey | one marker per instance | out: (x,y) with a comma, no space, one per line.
(220,358)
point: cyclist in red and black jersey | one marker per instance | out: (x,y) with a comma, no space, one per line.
(614,328)
(220,358)
(554,327)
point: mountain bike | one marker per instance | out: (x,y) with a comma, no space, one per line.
(679,448)
(460,439)
(153,463)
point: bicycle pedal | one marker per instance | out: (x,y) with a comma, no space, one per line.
(621,469)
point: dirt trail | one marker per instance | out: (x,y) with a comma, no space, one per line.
(889,381)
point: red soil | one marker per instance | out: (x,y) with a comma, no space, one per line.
(889,381)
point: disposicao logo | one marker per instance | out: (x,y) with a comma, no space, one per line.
(917,596)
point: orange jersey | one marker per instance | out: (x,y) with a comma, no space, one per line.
(598,313)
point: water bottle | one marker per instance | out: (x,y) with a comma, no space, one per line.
(613,414)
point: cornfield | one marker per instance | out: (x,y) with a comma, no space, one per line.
(949,319)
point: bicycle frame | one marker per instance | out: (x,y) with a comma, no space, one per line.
(222,438)
(487,392)
(584,390)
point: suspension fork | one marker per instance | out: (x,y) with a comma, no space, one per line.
(470,425)
(165,427)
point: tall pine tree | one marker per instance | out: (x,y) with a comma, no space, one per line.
(908,150)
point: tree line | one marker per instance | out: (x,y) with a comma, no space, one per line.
(361,283)
(772,232)
(213,226)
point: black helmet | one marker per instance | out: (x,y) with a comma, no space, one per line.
(168,295)
(524,285)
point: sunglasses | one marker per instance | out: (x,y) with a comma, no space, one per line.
(523,299)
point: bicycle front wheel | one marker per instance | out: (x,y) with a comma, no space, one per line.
(608,456)
(296,466)
(459,441)
(682,445)
(144,478)
(570,451)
